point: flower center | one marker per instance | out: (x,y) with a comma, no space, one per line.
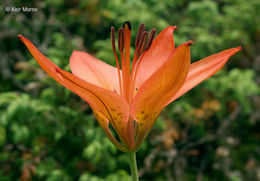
(126,76)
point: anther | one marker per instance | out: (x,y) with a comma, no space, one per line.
(127,24)
(113,37)
(142,43)
(139,34)
(151,38)
(121,42)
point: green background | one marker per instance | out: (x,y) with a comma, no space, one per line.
(209,134)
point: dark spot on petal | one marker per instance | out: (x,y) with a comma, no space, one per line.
(112,109)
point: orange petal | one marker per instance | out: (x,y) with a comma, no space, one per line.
(160,50)
(203,69)
(104,122)
(111,105)
(94,71)
(45,63)
(116,108)
(159,88)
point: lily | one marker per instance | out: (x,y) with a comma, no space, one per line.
(130,98)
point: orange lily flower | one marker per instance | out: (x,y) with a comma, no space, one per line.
(131,99)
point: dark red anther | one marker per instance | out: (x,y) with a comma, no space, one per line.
(142,43)
(121,41)
(113,38)
(151,38)
(139,34)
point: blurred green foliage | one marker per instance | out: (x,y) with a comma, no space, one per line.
(209,134)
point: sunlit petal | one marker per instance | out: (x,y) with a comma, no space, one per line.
(116,108)
(160,50)
(94,70)
(159,88)
(104,122)
(108,103)
(203,69)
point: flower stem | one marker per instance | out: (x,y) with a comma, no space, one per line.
(133,166)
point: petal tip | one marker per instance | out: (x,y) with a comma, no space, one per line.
(75,51)
(172,28)
(21,37)
(190,42)
(236,49)
(73,54)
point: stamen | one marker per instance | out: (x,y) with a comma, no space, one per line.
(151,38)
(139,34)
(113,38)
(142,43)
(139,41)
(127,78)
(117,63)
(134,73)
(121,42)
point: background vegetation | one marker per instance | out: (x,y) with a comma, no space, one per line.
(49,133)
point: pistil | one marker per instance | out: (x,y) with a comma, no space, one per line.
(127,36)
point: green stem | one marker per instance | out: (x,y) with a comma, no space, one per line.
(133,166)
